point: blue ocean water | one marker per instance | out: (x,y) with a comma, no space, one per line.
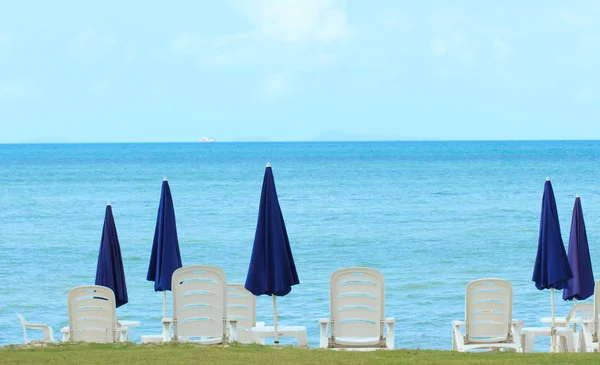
(432,216)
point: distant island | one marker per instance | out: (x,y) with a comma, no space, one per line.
(338,136)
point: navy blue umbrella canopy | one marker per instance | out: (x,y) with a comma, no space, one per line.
(165,257)
(109,271)
(272,270)
(551,270)
(581,286)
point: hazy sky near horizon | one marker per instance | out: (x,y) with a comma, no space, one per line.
(118,71)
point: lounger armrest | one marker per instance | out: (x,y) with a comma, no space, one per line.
(324,340)
(517,326)
(389,340)
(232,330)
(66,334)
(167,322)
(458,340)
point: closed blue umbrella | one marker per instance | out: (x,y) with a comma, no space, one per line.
(581,286)
(551,270)
(165,257)
(109,271)
(272,270)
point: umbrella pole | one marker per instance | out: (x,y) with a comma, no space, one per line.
(552,329)
(275,335)
(164,304)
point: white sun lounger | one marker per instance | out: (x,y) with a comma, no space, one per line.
(488,318)
(356,310)
(92,314)
(200,305)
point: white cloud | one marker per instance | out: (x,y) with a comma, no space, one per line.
(575,18)
(17,90)
(287,35)
(501,50)
(295,21)
(439,47)
(396,20)
(275,86)
(89,43)
(100,86)
(4,44)
(450,40)
(587,94)
(284,34)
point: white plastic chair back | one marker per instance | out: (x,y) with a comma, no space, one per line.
(357,297)
(24,325)
(199,302)
(488,311)
(241,306)
(581,310)
(92,314)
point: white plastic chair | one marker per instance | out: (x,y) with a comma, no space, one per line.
(591,328)
(92,314)
(488,318)
(356,310)
(581,312)
(47,330)
(200,305)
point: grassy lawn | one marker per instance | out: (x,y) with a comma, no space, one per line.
(255,354)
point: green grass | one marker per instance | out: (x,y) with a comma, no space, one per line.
(255,354)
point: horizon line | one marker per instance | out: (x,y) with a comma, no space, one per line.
(303,141)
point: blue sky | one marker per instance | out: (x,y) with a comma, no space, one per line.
(290,70)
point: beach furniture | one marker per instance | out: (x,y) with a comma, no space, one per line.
(488,318)
(241,306)
(200,306)
(165,257)
(47,331)
(578,315)
(109,271)
(272,270)
(591,327)
(92,315)
(552,269)
(123,330)
(356,310)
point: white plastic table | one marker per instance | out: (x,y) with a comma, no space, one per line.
(528,335)
(558,321)
(562,321)
(122,332)
(571,341)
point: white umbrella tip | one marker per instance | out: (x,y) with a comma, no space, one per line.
(268,164)
(165,178)
(577,196)
(108,203)
(547,179)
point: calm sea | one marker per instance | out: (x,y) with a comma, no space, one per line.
(432,216)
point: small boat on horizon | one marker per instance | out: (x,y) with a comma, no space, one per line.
(207,139)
